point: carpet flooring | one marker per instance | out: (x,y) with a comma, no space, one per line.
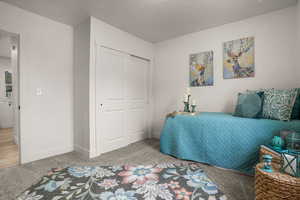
(15,180)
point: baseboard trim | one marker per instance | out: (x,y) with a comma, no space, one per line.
(155,135)
(16,139)
(45,154)
(82,151)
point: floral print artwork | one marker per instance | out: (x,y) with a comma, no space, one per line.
(163,181)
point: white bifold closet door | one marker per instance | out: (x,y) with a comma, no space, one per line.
(121,98)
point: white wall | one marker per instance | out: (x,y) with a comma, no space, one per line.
(298,42)
(275,63)
(5,62)
(109,36)
(46,61)
(81,87)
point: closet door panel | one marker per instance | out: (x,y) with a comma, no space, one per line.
(111,75)
(136,119)
(136,124)
(137,98)
(113,121)
(136,79)
(111,110)
(112,129)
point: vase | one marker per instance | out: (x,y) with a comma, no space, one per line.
(277,143)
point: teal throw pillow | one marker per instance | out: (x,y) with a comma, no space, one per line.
(249,105)
(278,104)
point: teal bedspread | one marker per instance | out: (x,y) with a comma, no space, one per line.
(220,139)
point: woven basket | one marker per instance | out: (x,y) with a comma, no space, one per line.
(276,156)
(275,185)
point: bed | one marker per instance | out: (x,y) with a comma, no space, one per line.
(220,139)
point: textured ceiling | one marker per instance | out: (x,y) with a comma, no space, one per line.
(153,20)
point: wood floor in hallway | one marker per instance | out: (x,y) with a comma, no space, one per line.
(9,153)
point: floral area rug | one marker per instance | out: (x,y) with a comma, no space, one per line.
(162,181)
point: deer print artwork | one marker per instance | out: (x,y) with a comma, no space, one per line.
(238,58)
(201,69)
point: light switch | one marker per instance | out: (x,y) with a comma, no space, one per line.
(39,92)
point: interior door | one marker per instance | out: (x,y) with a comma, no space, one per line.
(121,99)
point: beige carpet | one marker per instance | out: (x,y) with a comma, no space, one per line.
(16,179)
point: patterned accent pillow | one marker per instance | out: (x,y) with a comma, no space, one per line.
(260,90)
(278,104)
(296,108)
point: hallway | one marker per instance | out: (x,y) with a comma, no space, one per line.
(9,153)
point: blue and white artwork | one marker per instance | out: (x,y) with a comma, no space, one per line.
(202,69)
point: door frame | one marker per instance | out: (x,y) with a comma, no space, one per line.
(16,90)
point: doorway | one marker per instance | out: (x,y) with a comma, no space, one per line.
(9,100)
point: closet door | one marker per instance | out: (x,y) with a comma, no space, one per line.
(121,99)
(110,99)
(136,95)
